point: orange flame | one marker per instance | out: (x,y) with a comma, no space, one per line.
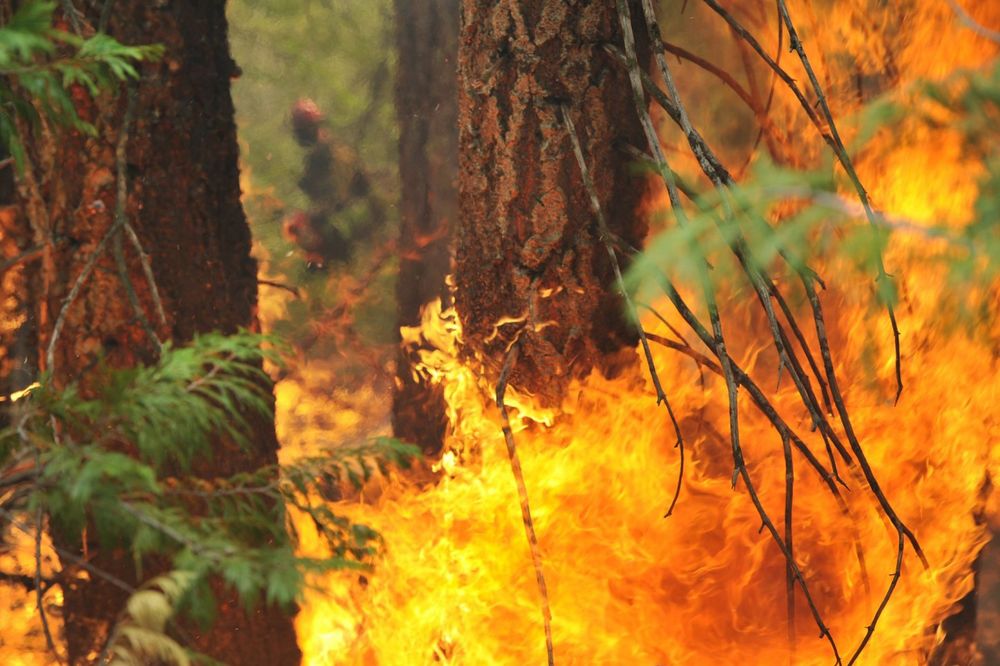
(455,584)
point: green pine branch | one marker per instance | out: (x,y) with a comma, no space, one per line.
(40,65)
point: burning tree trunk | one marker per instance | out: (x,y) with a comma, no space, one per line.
(529,257)
(145,240)
(427,108)
(542,108)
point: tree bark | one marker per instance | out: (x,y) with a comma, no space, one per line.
(17,326)
(528,251)
(427,108)
(183,200)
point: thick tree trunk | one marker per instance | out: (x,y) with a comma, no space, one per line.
(427,108)
(528,256)
(184,203)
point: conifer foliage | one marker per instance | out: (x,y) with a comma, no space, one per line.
(120,461)
(123,452)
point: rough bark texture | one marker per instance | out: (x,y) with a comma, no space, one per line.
(17,326)
(184,202)
(527,246)
(427,108)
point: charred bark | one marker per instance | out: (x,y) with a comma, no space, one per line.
(529,260)
(427,108)
(183,201)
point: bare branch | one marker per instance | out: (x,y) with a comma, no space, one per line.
(119,222)
(147,270)
(972,24)
(522,494)
(29,255)
(605,234)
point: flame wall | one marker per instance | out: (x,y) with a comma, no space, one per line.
(705,586)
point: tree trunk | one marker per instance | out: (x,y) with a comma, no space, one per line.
(529,259)
(17,326)
(427,108)
(183,199)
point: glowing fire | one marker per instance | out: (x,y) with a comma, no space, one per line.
(626,585)
(704,586)
(456,585)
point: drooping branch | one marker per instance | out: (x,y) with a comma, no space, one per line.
(973,24)
(788,336)
(605,236)
(829,133)
(121,194)
(718,340)
(883,279)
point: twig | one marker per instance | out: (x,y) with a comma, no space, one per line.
(674,112)
(789,571)
(196,549)
(718,73)
(67,556)
(828,132)
(972,24)
(133,298)
(281,285)
(119,221)
(765,407)
(522,493)
(147,270)
(761,282)
(772,86)
(39,526)
(756,394)
(903,532)
(672,329)
(102,25)
(39,592)
(894,579)
(786,78)
(605,236)
(718,342)
(901,528)
(845,159)
(29,255)
(74,18)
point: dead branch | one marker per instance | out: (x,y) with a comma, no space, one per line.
(702,154)
(845,160)
(31,254)
(605,236)
(122,223)
(522,494)
(972,24)
(147,270)
(281,285)
(116,226)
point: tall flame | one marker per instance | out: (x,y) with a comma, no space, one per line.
(455,584)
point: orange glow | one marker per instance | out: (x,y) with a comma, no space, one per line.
(456,584)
